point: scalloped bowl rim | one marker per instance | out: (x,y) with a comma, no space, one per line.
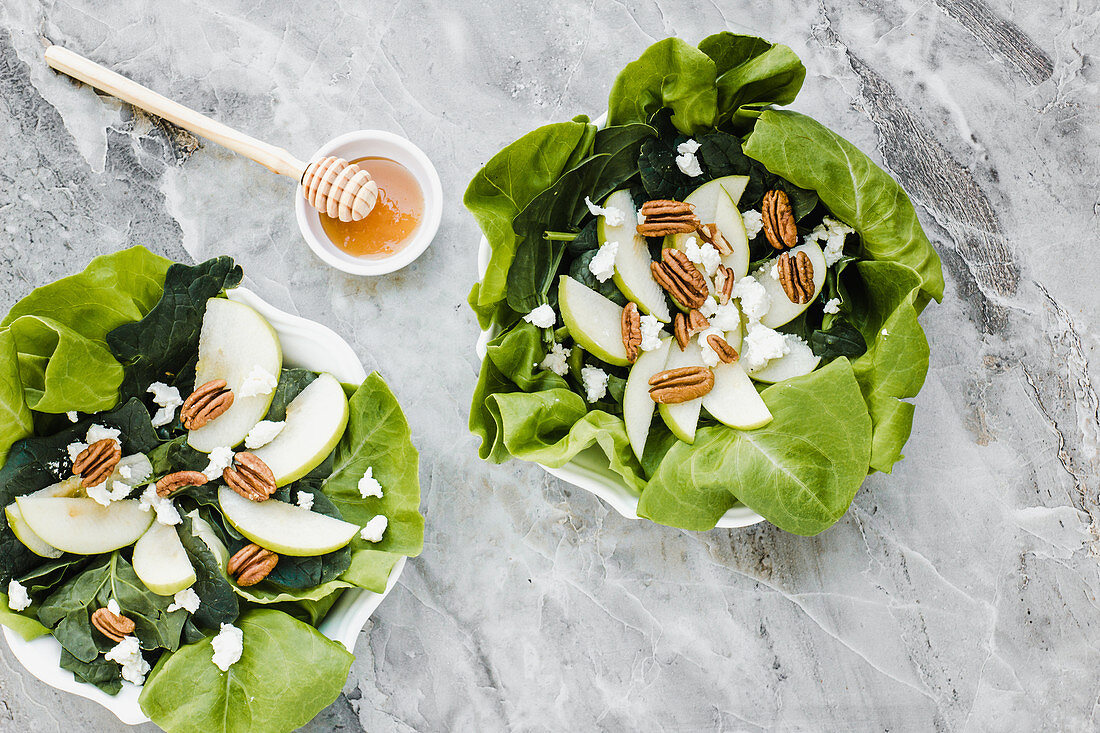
(305,344)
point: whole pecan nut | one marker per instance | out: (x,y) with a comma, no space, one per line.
(725,352)
(632,331)
(796,275)
(114,626)
(673,386)
(206,403)
(251,564)
(680,278)
(96,462)
(662,216)
(723,283)
(778,219)
(250,477)
(709,233)
(173,482)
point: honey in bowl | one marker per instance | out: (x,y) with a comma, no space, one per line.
(395,217)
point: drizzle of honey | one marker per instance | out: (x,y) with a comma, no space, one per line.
(391,223)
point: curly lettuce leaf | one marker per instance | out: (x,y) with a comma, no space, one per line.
(752,71)
(671,73)
(800,471)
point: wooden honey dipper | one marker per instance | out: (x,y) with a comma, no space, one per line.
(340,189)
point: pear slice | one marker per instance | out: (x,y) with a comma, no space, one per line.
(20,528)
(716,203)
(160,561)
(734,400)
(201,528)
(801,360)
(782,310)
(81,525)
(682,418)
(285,528)
(637,404)
(315,420)
(593,321)
(633,275)
(234,340)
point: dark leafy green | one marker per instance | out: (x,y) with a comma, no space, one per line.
(839,339)
(105,675)
(291,384)
(218,603)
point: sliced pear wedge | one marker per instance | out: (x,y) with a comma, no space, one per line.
(23,532)
(285,528)
(734,400)
(683,417)
(593,321)
(633,275)
(160,561)
(82,526)
(637,404)
(800,360)
(782,309)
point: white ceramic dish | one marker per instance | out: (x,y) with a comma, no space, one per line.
(305,344)
(375,143)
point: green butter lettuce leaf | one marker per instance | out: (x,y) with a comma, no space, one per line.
(287,673)
(670,73)
(15,416)
(856,190)
(752,71)
(800,472)
(27,627)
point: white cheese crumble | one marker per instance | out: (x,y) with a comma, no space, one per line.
(594,380)
(263,433)
(187,599)
(705,255)
(753,221)
(97,433)
(125,472)
(726,317)
(375,528)
(228,646)
(112,606)
(128,655)
(104,496)
(556,360)
(543,316)
(775,270)
(651,333)
(602,265)
(760,345)
(612,216)
(709,307)
(832,305)
(305,500)
(368,485)
(167,399)
(75,449)
(71,414)
(258,382)
(754,299)
(832,232)
(221,458)
(18,598)
(686,160)
(166,510)
(706,353)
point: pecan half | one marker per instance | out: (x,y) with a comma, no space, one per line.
(723,283)
(796,275)
(251,564)
(662,216)
(96,462)
(173,482)
(721,347)
(250,477)
(673,386)
(778,218)
(114,626)
(709,233)
(207,402)
(683,281)
(686,326)
(632,331)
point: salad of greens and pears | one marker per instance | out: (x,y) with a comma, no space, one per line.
(717,296)
(181,509)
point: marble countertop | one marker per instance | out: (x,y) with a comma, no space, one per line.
(958,593)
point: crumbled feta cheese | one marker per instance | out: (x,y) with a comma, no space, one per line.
(221,458)
(754,299)
(651,333)
(775,270)
(128,654)
(753,221)
(602,265)
(75,449)
(258,382)
(709,307)
(305,500)
(832,305)
(375,528)
(97,433)
(686,160)
(167,399)
(706,353)
(368,485)
(832,232)
(762,344)
(726,317)
(228,646)
(162,505)
(556,360)
(112,606)
(103,495)
(125,472)
(594,380)
(71,414)
(18,598)
(543,316)
(263,433)
(705,255)
(612,216)
(187,599)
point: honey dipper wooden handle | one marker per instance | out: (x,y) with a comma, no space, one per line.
(273,158)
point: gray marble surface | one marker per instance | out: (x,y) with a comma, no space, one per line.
(958,593)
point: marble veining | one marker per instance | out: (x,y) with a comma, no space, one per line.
(959,593)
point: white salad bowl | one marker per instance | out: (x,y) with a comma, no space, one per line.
(305,344)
